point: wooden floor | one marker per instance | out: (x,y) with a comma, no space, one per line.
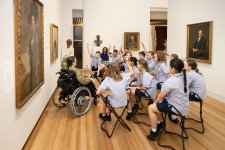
(58,129)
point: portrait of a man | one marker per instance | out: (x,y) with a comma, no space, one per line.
(28,50)
(199,42)
(132,40)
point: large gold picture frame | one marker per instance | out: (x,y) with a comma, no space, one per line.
(29,48)
(53,43)
(132,40)
(199,42)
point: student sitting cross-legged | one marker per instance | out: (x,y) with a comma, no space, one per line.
(116,84)
(174,92)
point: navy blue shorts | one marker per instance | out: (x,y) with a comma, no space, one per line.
(164,107)
(139,93)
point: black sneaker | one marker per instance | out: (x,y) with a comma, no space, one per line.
(104,118)
(176,121)
(160,126)
(129,116)
(135,109)
(152,136)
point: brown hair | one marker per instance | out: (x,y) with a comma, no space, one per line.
(174,56)
(70,61)
(114,72)
(194,66)
(160,56)
(144,64)
(151,52)
(69,43)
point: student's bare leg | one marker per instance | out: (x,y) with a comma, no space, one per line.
(154,115)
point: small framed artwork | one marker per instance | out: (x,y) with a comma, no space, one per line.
(53,43)
(199,41)
(132,40)
(29,48)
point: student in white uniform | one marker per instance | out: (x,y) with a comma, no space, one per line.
(133,63)
(176,90)
(160,69)
(149,57)
(116,84)
(144,81)
(127,56)
(197,82)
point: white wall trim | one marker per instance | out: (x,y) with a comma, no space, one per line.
(216,96)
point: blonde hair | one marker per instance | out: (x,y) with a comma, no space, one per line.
(114,72)
(144,64)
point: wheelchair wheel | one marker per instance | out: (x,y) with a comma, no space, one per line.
(81,101)
(58,101)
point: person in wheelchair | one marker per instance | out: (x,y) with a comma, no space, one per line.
(116,84)
(145,82)
(174,92)
(81,77)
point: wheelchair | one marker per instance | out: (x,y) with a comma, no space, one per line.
(69,89)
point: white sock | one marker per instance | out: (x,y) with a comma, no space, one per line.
(173,117)
(158,122)
(129,111)
(153,130)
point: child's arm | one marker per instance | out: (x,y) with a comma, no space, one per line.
(160,97)
(139,79)
(145,49)
(131,71)
(90,53)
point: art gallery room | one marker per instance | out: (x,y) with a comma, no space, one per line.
(112,74)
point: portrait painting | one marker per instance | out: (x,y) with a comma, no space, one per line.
(199,42)
(29,49)
(53,43)
(132,40)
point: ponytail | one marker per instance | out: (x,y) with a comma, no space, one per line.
(193,64)
(185,81)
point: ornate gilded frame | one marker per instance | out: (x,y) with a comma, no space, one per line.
(209,42)
(52,59)
(17,37)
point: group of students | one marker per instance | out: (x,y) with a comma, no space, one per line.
(150,73)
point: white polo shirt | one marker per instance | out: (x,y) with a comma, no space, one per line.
(174,88)
(117,96)
(197,84)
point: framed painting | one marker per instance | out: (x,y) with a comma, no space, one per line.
(132,40)
(53,43)
(199,42)
(29,49)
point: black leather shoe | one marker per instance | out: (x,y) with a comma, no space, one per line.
(152,136)
(176,121)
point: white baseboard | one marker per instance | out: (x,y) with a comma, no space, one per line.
(216,96)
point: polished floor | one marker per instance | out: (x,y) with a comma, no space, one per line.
(59,129)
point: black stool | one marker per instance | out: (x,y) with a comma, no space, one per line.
(139,105)
(183,134)
(194,97)
(119,117)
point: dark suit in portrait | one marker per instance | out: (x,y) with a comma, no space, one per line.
(200,48)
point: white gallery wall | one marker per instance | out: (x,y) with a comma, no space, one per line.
(183,12)
(110,19)
(17,124)
(67,7)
